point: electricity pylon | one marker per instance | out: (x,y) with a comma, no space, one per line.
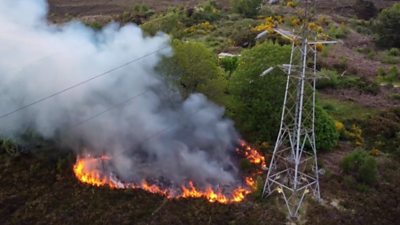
(293,170)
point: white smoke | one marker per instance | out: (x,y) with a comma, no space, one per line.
(152,136)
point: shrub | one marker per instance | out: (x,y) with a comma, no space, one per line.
(330,79)
(229,64)
(355,134)
(382,131)
(9,146)
(208,11)
(169,23)
(387,27)
(388,59)
(391,76)
(361,166)
(247,8)
(325,130)
(242,33)
(137,15)
(194,68)
(337,31)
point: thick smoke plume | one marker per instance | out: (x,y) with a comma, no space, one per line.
(155,135)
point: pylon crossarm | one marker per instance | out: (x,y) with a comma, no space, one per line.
(322,42)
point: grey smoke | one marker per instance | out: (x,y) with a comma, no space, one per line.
(156,135)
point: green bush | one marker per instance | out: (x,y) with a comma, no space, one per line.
(325,131)
(169,23)
(390,76)
(229,64)
(337,32)
(331,79)
(207,11)
(257,100)
(387,27)
(194,68)
(9,146)
(137,14)
(240,32)
(394,52)
(247,8)
(361,166)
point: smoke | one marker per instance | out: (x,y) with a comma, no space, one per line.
(155,135)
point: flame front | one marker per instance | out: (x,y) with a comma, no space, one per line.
(253,155)
(87,171)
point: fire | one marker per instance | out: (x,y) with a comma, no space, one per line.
(253,155)
(88,170)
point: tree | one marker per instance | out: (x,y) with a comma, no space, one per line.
(387,27)
(248,8)
(257,101)
(194,68)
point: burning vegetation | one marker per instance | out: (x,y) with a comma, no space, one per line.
(92,170)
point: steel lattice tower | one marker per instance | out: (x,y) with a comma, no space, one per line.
(293,169)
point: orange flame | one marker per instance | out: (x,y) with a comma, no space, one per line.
(87,170)
(253,155)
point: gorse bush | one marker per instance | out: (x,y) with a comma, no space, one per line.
(361,166)
(387,27)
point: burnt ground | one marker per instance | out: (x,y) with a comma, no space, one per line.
(39,188)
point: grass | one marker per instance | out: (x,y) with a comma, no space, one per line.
(346,110)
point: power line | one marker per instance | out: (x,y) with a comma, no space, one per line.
(78,84)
